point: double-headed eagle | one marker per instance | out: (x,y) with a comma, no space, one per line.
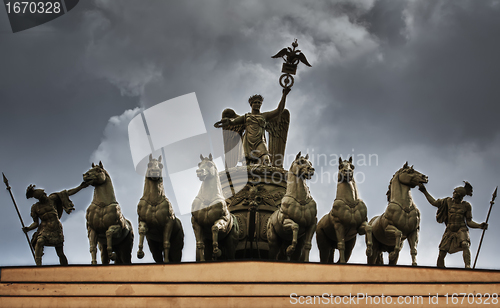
(292,56)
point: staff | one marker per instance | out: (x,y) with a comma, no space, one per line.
(19,214)
(487,217)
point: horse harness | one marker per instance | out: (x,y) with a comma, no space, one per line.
(407,209)
(302,202)
(351,205)
(154,203)
(103,204)
(207,203)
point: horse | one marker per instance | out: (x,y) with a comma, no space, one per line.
(294,223)
(157,219)
(347,218)
(215,228)
(106,225)
(401,219)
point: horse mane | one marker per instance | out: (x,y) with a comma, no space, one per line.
(390,183)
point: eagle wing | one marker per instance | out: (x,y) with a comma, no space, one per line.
(283,52)
(303,59)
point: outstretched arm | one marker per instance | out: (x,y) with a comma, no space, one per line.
(276,112)
(77,189)
(228,121)
(471,223)
(431,199)
(237,121)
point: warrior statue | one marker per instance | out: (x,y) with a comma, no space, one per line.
(46,214)
(251,127)
(457,216)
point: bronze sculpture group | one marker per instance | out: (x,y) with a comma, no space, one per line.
(277,218)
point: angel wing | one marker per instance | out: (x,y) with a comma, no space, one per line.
(278,132)
(232,135)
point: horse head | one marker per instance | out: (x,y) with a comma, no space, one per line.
(96,175)
(346,170)
(206,168)
(155,168)
(302,167)
(410,177)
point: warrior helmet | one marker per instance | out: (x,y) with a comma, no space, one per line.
(465,190)
(29,191)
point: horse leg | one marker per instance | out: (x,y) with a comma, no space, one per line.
(218,226)
(324,246)
(373,258)
(349,246)
(413,241)
(113,231)
(143,229)
(273,240)
(156,250)
(126,246)
(200,245)
(299,254)
(308,242)
(290,225)
(339,232)
(392,231)
(366,229)
(167,232)
(232,240)
(92,235)
(104,254)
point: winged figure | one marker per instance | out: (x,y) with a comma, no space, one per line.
(244,135)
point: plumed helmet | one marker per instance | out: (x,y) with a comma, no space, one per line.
(29,191)
(465,190)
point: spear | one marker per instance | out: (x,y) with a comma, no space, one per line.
(487,217)
(19,214)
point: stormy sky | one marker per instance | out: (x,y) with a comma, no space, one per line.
(396,81)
